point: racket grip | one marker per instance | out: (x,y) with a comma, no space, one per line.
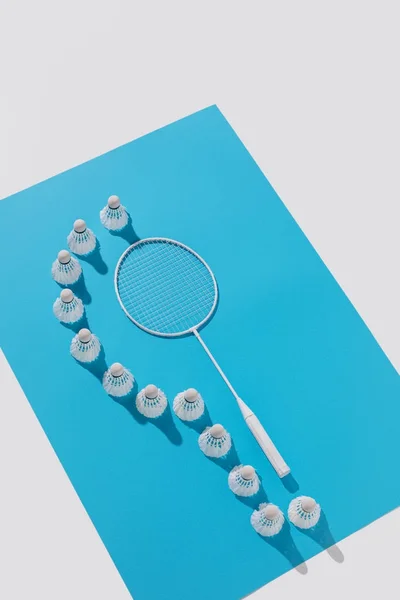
(265,442)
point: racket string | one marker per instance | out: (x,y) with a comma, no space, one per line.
(165,287)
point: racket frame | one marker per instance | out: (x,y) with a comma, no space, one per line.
(175,243)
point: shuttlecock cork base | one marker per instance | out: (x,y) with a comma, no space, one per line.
(304,512)
(268,520)
(68,308)
(85,346)
(188,405)
(81,240)
(243,481)
(114,216)
(118,381)
(215,441)
(151,402)
(66,270)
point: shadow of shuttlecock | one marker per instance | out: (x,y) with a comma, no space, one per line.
(127,233)
(128,402)
(165,423)
(283,543)
(97,367)
(322,535)
(77,325)
(201,423)
(80,290)
(290,483)
(255,500)
(96,260)
(228,461)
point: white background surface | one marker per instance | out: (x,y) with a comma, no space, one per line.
(312,89)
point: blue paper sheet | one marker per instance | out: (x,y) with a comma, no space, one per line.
(284,332)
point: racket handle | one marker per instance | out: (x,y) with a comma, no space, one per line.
(265,442)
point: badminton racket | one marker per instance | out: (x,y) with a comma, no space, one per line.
(168,290)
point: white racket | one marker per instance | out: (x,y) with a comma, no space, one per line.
(168,290)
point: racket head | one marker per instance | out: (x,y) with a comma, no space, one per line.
(165,288)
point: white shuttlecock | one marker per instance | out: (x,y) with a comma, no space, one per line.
(68,308)
(85,346)
(66,270)
(268,520)
(215,441)
(118,381)
(81,240)
(189,405)
(304,512)
(151,402)
(243,481)
(114,216)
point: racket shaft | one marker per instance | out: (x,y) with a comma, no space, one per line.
(267,445)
